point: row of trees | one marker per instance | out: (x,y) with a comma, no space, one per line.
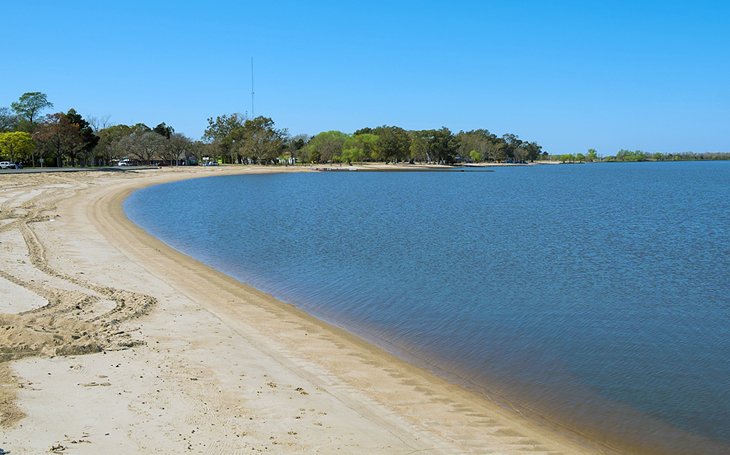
(637,155)
(240,140)
(68,139)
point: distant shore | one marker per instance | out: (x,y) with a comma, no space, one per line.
(182,357)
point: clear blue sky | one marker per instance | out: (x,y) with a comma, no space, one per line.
(649,75)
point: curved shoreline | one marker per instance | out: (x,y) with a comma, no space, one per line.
(386,376)
(373,400)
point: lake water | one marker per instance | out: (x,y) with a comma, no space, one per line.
(597,296)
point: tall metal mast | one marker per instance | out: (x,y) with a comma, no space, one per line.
(253,115)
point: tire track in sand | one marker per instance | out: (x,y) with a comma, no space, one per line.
(72,322)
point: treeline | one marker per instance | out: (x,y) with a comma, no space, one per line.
(239,140)
(69,139)
(638,155)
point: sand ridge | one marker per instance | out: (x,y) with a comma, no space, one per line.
(180,357)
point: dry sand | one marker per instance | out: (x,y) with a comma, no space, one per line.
(111,342)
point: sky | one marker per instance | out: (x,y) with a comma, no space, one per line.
(570,75)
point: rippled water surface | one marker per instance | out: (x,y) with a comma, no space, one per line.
(597,295)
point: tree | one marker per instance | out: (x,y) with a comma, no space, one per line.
(198,150)
(479,141)
(88,137)
(223,131)
(294,145)
(442,145)
(512,143)
(17,146)
(567,157)
(325,146)
(592,155)
(143,145)
(109,147)
(30,105)
(177,148)
(164,130)
(580,157)
(533,150)
(258,140)
(59,136)
(628,155)
(418,150)
(475,156)
(8,120)
(222,126)
(358,147)
(394,144)
(437,145)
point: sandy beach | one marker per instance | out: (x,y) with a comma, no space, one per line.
(111,342)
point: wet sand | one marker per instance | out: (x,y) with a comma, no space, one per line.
(112,342)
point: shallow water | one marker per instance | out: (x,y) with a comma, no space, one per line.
(596,295)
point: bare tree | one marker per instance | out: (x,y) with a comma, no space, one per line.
(145,146)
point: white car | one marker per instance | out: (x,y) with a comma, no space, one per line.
(7,165)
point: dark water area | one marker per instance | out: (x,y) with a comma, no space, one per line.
(597,296)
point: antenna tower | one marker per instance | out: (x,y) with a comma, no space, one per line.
(253,115)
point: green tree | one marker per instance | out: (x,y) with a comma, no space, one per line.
(394,144)
(476,156)
(592,155)
(418,149)
(222,126)
(567,158)
(442,145)
(512,143)
(480,141)
(533,149)
(164,130)
(580,157)
(325,146)
(29,106)
(88,137)
(629,155)
(259,141)
(359,147)
(16,146)
(223,132)
(294,145)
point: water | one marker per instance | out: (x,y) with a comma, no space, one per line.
(595,295)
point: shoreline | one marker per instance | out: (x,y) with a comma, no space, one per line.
(366,390)
(213,275)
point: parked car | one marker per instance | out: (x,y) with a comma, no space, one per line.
(7,165)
